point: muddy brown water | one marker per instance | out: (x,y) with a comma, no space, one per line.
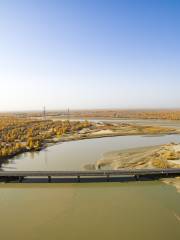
(121,210)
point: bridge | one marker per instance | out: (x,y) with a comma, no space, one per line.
(107,175)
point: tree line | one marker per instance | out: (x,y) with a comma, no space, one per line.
(21,134)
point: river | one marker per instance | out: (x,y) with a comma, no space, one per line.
(123,210)
(74,155)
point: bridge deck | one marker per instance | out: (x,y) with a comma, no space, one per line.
(93,173)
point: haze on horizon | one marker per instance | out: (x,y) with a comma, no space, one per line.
(89,54)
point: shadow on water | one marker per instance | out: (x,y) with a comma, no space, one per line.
(79,180)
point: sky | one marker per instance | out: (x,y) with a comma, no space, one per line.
(86,54)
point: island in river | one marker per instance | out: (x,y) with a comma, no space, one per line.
(163,156)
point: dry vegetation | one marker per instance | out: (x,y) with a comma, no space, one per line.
(130,114)
(130,129)
(22,134)
(168,114)
(19,133)
(166,156)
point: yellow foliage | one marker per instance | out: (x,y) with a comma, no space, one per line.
(22,134)
(160,163)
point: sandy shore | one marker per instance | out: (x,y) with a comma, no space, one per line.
(98,130)
(102,130)
(163,156)
(175,182)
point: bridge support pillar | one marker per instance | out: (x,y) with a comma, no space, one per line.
(49,179)
(20,179)
(137,177)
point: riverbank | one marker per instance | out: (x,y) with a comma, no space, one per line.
(101,130)
(46,137)
(162,156)
(175,182)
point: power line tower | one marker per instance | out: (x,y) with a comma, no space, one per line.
(68,112)
(44,113)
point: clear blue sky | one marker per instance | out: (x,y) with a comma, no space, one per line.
(89,54)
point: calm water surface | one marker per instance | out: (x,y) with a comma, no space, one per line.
(131,210)
(74,155)
(136,210)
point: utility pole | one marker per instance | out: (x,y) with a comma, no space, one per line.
(68,114)
(44,113)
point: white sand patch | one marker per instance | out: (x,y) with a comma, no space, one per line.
(174,182)
(102,132)
(177,216)
(176,148)
(174,161)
